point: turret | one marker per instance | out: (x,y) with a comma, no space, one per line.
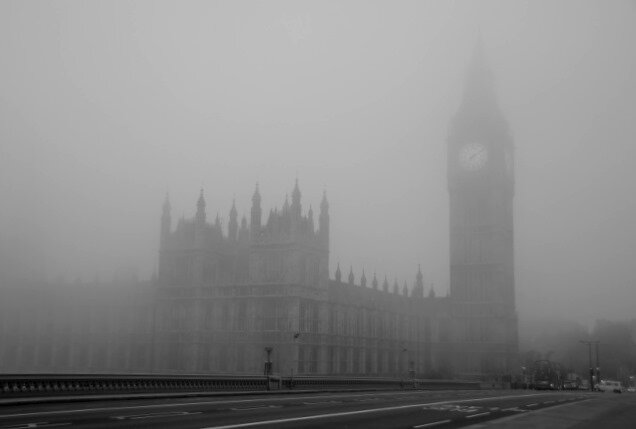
(405,289)
(295,205)
(323,221)
(418,288)
(256,213)
(338,273)
(385,285)
(232,227)
(310,220)
(363,279)
(374,283)
(351,278)
(200,217)
(396,288)
(165,223)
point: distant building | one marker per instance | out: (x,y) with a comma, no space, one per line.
(219,299)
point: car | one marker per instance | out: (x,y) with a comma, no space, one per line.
(609,386)
(631,389)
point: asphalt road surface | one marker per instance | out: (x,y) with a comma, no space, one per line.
(384,409)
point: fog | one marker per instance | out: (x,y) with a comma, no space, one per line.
(107,106)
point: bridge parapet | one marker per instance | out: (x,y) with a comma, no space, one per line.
(39,385)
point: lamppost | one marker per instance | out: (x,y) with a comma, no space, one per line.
(589,347)
(268,365)
(598,364)
(404,361)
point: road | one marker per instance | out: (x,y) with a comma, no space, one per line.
(382,409)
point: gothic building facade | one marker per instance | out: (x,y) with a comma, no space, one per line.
(222,299)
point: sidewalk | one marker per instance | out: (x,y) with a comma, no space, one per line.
(555,417)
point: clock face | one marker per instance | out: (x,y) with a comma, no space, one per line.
(473,156)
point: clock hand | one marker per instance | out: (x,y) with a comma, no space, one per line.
(476,153)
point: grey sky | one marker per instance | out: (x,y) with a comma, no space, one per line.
(105,106)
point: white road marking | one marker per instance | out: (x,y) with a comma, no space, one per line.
(531,405)
(35,425)
(260,407)
(178,404)
(353,413)
(322,402)
(478,415)
(153,415)
(430,425)
(516,409)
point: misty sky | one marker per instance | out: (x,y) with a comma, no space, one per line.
(106,106)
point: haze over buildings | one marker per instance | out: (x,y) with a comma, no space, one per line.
(106,106)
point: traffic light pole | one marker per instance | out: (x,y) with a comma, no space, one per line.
(589,348)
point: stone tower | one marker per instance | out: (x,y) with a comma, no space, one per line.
(481,190)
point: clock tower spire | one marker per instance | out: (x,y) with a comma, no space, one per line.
(481,191)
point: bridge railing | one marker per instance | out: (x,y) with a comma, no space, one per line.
(33,385)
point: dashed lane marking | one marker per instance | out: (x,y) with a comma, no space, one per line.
(260,407)
(358,412)
(155,415)
(431,424)
(472,416)
(532,405)
(36,425)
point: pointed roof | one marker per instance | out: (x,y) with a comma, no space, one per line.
(257,195)
(233,212)
(479,96)
(363,279)
(338,273)
(200,216)
(166,204)
(324,204)
(374,283)
(296,193)
(351,277)
(201,200)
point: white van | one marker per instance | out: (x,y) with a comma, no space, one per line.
(609,386)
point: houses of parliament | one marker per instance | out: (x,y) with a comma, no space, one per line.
(224,293)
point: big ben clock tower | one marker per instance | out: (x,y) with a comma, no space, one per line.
(481,191)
